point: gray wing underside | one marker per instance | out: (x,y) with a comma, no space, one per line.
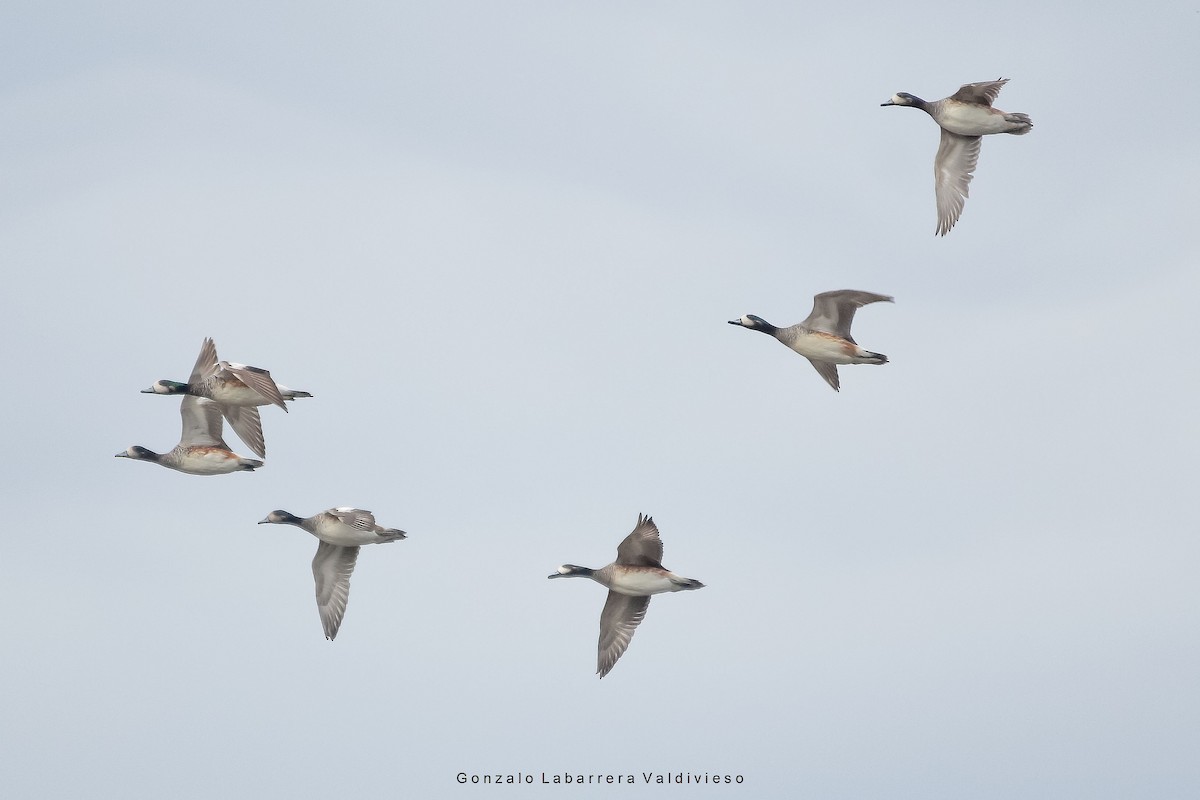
(201,422)
(332,567)
(828,372)
(642,547)
(953,168)
(619,619)
(833,312)
(247,425)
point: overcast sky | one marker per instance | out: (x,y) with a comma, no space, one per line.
(499,242)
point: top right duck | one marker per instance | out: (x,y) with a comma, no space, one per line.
(964,117)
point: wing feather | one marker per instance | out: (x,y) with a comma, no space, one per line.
(247,425)
(827,371)
(258,379)
(332,567)
(642,547)
(355,518)
(953,169)
(833,312)
(206,362)
(983,93)
(619,619)
(201,422)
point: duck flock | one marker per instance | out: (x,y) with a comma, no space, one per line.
(218,390)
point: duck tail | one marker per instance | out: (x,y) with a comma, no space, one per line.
(392,534)
(1023,120)
(249,464)
(874,358)
(687,583)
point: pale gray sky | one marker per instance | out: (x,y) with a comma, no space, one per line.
(499,243)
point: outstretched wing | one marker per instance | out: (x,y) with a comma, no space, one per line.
(642,547)
(834,311)
(248,426)
(201,422)
(829,372)
(984,92)
(332,567)
(619,619)
(206,362)
(953,168)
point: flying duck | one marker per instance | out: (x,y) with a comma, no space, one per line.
(200,451)
(238,390)
(824,336)
(631,579)
(965,118)
(341,532)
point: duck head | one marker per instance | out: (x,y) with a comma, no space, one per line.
(754,323)
(138,453)
(167,387)
(572,571)
(279,517)
(905,99)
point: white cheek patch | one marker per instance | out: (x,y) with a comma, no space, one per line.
(898,100)
(563,570)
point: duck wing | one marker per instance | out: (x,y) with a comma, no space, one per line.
(354,518)
(833,312)
(248,426)
(256,378)
(984,93)
(953,168)
(206,362)
(201,422)
(829,372)
(619,619)
(332,567)
(642,547)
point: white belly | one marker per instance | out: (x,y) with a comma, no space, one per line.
(640,583)
(207,461)
(825,347)
(335,532)
(971,120)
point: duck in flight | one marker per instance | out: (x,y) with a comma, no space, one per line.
(238,390)
(637,574)
(340,531)
(201,450)
(824,336)
(965,117)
